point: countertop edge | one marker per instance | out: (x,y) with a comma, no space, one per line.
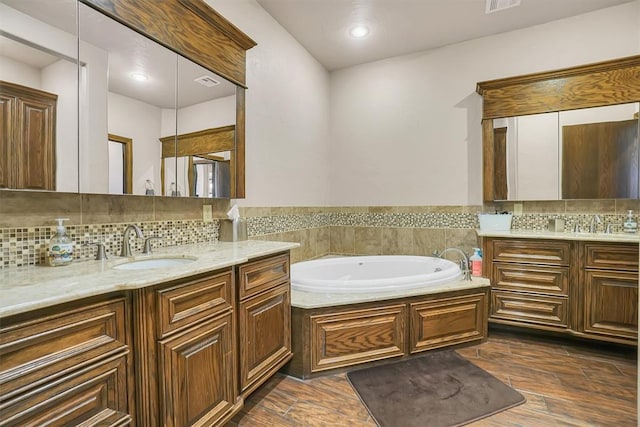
(553,235)
(23,291)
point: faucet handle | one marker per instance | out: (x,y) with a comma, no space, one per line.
(101,253)
(147,244)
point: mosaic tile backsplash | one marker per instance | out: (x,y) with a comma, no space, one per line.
(27,246)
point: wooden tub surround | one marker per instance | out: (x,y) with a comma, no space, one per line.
(330,338)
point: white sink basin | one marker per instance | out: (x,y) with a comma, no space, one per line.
(146,264)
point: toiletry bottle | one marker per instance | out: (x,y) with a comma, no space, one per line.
(630,225)
(476,263)
(60,246)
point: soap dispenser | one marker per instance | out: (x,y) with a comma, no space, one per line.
(60,246)
(630,225)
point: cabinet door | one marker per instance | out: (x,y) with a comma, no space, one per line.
(197,374)
(6,136)
(611,304)
(265,335)
(36,149)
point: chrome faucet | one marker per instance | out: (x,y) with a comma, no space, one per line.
(465,265)
(126,246)
(593,226)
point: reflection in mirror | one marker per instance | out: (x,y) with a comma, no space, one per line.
(38,71)
(120,164)
(205,144)
(599,152)
(590,153)
(127,88)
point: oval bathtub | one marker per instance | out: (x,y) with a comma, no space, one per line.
(367,274)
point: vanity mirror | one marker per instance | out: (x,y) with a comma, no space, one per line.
(112,134)
(564,134)
(590,153)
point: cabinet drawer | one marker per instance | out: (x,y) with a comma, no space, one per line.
(181,305)
(532,251)
(546,280)
(618,257)
(95,395)
(526,308)
(49,346)
(259,275)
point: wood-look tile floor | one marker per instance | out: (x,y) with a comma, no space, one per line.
(566,383)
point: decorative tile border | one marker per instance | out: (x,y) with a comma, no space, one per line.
(27,246)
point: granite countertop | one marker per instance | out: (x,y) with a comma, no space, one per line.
(24,289)
(543,234)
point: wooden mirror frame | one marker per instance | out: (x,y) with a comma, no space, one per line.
(195,31)
(592,85)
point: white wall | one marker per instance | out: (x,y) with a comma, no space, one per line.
(406,130)
(287,113)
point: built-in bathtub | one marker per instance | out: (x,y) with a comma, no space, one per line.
(352,310)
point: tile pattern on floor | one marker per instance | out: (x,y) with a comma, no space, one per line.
(566,383)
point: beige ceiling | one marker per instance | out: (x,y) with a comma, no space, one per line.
(405,26)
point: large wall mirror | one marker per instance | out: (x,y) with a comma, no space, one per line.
(112,111)
(589,153)
(563,134)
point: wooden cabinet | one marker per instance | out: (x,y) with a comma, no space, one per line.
(588,289)
(264,318)
(68,365)
(530,282)
(27,138)
(609,291)
(186,351)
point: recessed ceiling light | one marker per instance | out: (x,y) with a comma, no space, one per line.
(141,77)
(359,31)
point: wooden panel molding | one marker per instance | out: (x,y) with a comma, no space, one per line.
(265,331)
(617,257)
(257,276)
(529,309)
(184,304)
(591,85)
(548,280)
(448,321)
(550,252)
(212,42)
(345,338)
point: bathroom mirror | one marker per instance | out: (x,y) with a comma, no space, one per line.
(96,100)
(38,65)
(589,153)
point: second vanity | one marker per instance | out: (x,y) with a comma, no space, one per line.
(173,345)
(581,284)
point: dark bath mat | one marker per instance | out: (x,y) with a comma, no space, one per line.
(438,389)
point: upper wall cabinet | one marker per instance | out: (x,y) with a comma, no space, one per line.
(127,86)
(565,134)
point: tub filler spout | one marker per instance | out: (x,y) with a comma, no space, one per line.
(465,265)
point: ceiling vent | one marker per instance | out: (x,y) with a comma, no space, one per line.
(497,5)
(207,81)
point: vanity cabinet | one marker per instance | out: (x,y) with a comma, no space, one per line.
(27,138)
(264,312)
(587,289)
(186,351)
(609,291)
(68,365)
